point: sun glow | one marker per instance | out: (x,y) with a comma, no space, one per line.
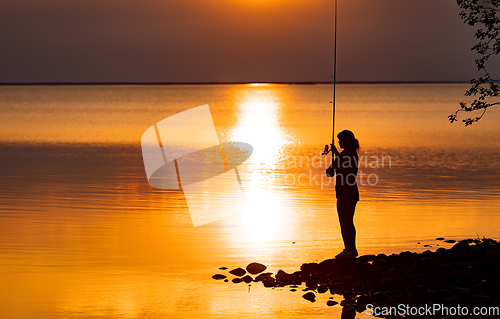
(258,125)
(263,215)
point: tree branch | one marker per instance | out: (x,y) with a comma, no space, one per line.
(485,15)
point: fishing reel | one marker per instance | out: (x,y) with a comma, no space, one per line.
(327,149)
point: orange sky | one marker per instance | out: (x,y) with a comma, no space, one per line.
(232,41)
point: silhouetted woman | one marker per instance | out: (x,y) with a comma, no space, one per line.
(346,189)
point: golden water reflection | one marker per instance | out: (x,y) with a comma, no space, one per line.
(82,234)
(259,123)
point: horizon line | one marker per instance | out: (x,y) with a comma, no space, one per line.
(226,83)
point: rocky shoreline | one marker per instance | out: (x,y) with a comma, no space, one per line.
(466,275)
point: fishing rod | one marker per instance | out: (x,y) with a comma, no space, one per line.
(328,148)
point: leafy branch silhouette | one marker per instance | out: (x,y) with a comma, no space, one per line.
(486,15)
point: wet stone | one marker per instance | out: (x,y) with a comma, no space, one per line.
(312,284)
(309,268)
(309,296)
(218,277)
(247,279)
(330,303)
(367,258)
(282,276)
(269,282)
(238,272)
(223,268)
(263,276)
(458,275)
(255,268)
(322,289)
(237,280)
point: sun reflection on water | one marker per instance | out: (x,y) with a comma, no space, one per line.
(259,111)
(262,217)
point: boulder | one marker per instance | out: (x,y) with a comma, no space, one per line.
(255,268)
(247,279)
(330,303)
(309,296)
(238,272)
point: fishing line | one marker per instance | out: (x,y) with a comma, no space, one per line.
(327,148)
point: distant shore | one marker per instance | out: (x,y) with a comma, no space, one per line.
(223,83)
(464,278)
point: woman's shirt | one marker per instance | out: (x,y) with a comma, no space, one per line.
(346,169)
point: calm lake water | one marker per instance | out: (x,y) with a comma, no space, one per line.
(83,235)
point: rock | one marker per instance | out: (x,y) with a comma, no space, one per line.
(237,280)
(309,268)
(312,284)
(297,276)
(339,266)
(450,241)
(247,279)
(255,268)
(226,280)
(309,296)
(293,242)
(322,289)
(269,282)
(223,268)
(263,276)
(367,258)
(466,274)
(238,272)
(282,276)
(330,303)
(218,277)
(427,253)
(293,290)
(440,238)
(460,246)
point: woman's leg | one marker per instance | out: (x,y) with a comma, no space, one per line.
(345,209)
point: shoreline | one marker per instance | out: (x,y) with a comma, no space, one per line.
(466,275)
